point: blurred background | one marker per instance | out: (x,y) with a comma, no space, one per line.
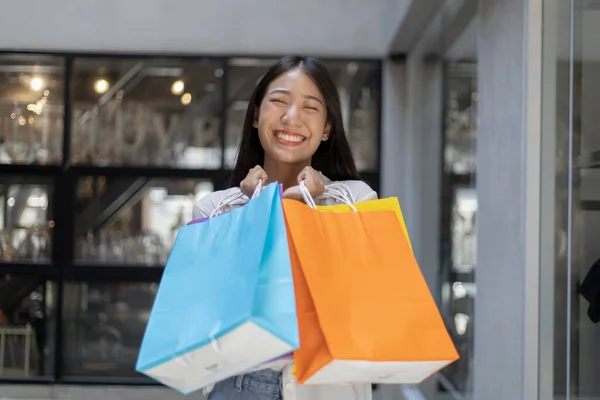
(116,117)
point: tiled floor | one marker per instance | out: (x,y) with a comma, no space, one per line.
(33,392)
(62,392)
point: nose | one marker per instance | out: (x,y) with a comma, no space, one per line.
(291,116)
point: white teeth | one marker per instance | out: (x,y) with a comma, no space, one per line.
(289,138)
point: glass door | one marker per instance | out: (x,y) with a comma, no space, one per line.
(570,278)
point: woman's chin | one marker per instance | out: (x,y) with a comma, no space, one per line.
(289,157)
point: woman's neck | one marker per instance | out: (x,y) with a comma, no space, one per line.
(286,174)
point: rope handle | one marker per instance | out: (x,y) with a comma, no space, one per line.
(337,195)
(225,201)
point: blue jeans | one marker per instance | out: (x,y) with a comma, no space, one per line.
(259,385)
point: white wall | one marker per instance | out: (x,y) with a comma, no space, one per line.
(352,28)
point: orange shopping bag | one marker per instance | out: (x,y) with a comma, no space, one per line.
(365,313)
(390,203)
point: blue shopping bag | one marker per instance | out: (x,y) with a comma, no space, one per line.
(226,300)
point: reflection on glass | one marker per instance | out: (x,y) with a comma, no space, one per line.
(25,227)
(461,119)
(31,109)
(242,79)
(571,225)
(586,200)
(458,292)
(103,327)
(147,112)
(464,251)
(359,86)
(122,220)
(459,220)
(27,312)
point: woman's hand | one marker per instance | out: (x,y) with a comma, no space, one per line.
(255,175)
(313,182)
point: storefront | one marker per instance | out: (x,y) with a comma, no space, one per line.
(102,158)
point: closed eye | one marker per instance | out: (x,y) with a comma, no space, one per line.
(278,101)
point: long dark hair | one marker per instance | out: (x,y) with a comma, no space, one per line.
(333,157)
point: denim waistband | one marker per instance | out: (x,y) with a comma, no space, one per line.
(265,380)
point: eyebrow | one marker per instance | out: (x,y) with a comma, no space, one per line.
(306,96)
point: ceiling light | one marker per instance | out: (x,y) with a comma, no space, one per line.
(101,86)
(36,84)
(177,87)
(186,99)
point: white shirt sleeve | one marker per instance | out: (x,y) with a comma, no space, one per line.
(364,192)
(356,191)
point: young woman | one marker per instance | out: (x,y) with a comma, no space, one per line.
(293,131)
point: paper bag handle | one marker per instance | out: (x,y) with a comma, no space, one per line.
(340,196)
(229,199)
(257,190)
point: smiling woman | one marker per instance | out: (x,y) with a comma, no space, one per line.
(297,95)
(358,84)
(293,132)
(291,120)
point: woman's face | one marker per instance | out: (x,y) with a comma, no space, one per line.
(292,119)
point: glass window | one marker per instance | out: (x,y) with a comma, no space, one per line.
(27,326)
(147,112)
(464,214)
(31,109)
(570,214)
(458,222)
(359,87)
(461,119)
(104,325)
(25,219)
(243,76)
(458,287)
(132,220)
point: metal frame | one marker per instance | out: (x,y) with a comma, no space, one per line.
(63,267)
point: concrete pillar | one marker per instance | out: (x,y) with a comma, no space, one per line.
(508,189)
(411,165)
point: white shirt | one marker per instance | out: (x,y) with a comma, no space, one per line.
(356,191)
(335,193)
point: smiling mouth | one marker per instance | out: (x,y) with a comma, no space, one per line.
(288,138)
